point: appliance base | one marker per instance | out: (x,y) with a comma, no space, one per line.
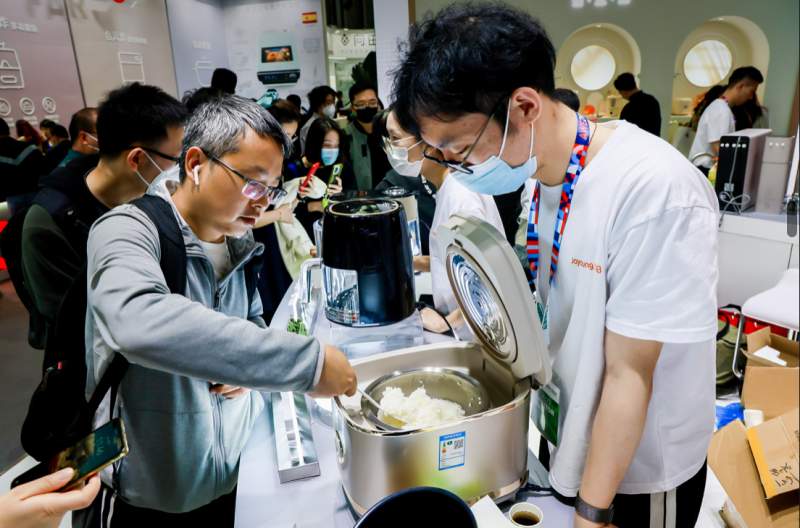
(498,496)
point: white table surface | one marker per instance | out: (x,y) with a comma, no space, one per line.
(319,502)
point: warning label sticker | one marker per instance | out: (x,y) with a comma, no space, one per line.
(452,450)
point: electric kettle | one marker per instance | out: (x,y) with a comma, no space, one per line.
(367,266)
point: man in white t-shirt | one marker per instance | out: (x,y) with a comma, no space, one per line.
(717,120)
(632,304)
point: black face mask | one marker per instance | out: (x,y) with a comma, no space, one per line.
(365,115)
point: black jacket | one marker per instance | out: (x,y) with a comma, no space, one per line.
(21,165)
(643,111)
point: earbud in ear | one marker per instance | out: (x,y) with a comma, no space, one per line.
(196,175)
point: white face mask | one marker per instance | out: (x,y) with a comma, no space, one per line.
(91,146)
(170,174)
(329,110)
(398,158)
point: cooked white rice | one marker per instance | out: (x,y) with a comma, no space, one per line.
(417,410)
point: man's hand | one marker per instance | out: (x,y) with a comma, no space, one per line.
(621,416)
(432,321)
(337,376)
(422,263)
(335,187)
(228,391)
(285,212)
(37,504)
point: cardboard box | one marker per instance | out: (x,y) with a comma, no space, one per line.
(772,390)
(731,459)
(789,350)
(775,444)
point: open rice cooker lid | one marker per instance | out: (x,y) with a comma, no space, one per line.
(494,296)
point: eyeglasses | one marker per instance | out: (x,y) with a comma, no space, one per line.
(458,166)
(361,106)
(252,189)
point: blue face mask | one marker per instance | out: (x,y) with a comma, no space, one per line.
(329,156)
(494,176)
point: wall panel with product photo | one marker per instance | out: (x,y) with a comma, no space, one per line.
(276,45)
(38,74)
(121,42)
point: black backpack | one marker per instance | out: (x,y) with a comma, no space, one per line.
(59,414)
(66,216)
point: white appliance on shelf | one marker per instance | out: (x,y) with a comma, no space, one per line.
(615,105)
(278,60)
(681,106)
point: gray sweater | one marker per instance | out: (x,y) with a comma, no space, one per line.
(184,441)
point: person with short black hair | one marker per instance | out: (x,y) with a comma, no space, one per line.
(200,96)
(21,165)
(296,101)
(569,98)
(323,146)
(59,146)
(365,150)
(224,80)
(622,249)
(642,109)
(322,103)
(339,100)
(140,127)
(194,357)
(83,135)
(46,127)
(718,119)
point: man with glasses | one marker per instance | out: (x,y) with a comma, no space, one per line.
(131,119)
(365,151)
(182,468)
(621,243)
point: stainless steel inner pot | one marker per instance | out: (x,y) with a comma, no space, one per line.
(443,383)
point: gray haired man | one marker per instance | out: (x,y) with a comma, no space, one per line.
(185,398)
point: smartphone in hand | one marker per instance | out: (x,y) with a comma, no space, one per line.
(89,456)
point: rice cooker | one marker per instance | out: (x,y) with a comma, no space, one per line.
(486,451)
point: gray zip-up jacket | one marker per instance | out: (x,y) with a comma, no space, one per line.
(184,441)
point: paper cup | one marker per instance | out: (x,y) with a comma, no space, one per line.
(526,508)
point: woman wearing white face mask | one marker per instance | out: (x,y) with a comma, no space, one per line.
(405,153)
(322,103)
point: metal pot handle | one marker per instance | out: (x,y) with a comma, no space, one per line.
(305,278)
(339,447)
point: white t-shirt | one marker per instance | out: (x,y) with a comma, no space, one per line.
(219,256)
(716,121)
(638,257)
(454,198)
(548,214)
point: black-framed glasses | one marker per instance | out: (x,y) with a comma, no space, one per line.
(361,106)
(252,189)
(459,165)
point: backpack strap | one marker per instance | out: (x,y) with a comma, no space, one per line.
(173,266)
(67,216)
(173,248)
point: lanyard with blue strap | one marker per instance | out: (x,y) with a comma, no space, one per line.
(545,413)
(729,107)
(576,162)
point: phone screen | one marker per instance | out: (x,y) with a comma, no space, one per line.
(101,447)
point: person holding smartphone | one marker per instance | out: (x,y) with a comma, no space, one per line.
(40,504)
(322,146)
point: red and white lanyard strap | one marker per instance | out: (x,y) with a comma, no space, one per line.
(576,162)
(729,105)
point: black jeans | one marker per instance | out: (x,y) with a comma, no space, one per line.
(109,510)
(677,508)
